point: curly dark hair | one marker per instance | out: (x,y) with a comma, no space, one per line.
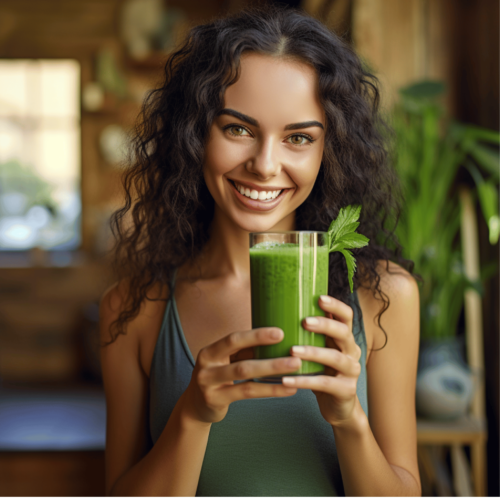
(173,208)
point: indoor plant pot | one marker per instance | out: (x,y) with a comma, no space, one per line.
(445,384)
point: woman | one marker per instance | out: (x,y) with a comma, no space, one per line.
(266,100)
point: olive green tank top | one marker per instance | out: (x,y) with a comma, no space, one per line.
(263,447)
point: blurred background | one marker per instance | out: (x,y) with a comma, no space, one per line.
(72,79)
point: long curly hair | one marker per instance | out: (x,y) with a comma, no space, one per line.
(168,208)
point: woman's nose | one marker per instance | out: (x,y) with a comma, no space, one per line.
(265,162)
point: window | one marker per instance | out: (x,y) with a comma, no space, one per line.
(40,202)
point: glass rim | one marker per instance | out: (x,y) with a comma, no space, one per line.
(291,232)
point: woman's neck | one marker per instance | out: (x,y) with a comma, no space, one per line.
(226,254)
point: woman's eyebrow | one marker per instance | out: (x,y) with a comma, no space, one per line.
(255,123)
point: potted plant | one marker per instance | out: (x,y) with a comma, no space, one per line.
(429,150)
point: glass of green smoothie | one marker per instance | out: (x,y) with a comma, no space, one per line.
(288,273)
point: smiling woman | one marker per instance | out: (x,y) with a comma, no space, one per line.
(266,121)
(274,151)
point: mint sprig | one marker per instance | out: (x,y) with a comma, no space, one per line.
(342,237)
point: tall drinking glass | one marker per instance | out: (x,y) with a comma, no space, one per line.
(288,273)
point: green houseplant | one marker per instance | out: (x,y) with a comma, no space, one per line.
(429,151)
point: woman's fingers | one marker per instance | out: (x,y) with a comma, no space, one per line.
(340,332)
(344,387)
(216,353)
(342,363)
(249,390)
(340,311)
(212,386)
(249,369)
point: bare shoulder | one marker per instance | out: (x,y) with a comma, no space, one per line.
(393,277)
(139,331)
(126,383)
(396,283)
(117,297)
(399,288)
(392,367)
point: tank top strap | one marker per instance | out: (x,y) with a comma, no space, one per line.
(358,325)
(173,281)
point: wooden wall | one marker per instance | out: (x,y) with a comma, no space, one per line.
(456,41)
(406,41)
(41,308)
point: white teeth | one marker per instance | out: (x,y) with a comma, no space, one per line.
(254,194)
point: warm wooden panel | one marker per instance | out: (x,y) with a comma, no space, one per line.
(405,41)
(40,315)
(52,473)
(463,430)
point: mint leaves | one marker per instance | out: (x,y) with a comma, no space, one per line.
(343,237)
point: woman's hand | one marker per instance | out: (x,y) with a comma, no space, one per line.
(336,390)
(212,388)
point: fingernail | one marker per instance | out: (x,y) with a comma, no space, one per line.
(325,298)
(294,362)
(312,321)
(277,334)
(298,348)
(288,380)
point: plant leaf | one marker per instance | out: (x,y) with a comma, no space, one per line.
(488,197)
(346,216)
(351,240)
(486,157)
(351,266)
(342,237)
(424,90)
(479,133)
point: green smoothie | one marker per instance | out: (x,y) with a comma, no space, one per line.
(286,282)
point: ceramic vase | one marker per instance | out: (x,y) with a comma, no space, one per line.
(445,384)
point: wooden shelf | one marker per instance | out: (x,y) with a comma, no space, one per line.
(464,430)
(154,61)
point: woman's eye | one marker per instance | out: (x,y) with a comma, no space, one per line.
(296,139)
(235,130)
(301,140)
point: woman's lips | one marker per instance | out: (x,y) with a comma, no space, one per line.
(258,205)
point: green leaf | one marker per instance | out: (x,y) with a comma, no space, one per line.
(351,266)
(342,237)
(350,228)
(488,198)
(478,133)
(486,157)
(346,216)
(351,240)
(424,90)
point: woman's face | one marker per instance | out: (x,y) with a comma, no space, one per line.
(269,137)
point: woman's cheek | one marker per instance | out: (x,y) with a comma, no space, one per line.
(221,156)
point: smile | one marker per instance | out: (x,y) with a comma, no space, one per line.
(255,200)
(254,194)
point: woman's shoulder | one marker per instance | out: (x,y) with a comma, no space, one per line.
(398,287)
(138,330)
(395,281)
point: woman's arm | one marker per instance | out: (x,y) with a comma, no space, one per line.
(378,457)
(173,466)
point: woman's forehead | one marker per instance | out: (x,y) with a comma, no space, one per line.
(269,87)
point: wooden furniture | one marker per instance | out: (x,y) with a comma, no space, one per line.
(52,441)
(52,473)
(471,430)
